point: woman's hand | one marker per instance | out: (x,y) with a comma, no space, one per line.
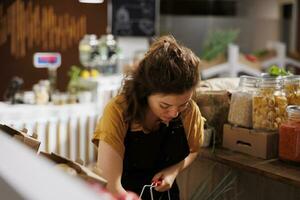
(165,178)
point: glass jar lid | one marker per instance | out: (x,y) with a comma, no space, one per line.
(293,112)
(248,81)
(270,82)
(292,79)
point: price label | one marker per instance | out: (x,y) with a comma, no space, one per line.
(47,60)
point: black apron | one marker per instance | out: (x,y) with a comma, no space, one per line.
(147,154)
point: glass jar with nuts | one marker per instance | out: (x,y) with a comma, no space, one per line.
(269,104)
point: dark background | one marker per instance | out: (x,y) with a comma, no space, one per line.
(11,66)
(140,11)
(96,16)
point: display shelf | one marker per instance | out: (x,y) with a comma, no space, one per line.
(64,129)
(230,68)
(281,59)
(103,88)
(233,66)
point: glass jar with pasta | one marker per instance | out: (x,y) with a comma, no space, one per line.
(240,111)
(269,104)
(291,86)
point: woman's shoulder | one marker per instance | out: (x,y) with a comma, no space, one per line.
(117,103)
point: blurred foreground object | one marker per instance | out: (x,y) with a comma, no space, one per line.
(22,136)
(81,171)
(23,175)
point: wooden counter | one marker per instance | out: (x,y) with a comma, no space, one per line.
(273,168)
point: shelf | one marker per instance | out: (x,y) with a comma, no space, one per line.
(281,59)
(272,168)
(233,66)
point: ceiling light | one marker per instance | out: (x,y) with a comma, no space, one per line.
(91,1)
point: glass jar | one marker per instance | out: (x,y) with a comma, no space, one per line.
(108,51)
(88,50)
(240,111)
(291,87)
(289,135)
(269,104)
(41,94)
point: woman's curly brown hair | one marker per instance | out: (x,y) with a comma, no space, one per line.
(167,68)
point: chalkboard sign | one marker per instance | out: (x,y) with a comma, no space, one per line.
(134,17)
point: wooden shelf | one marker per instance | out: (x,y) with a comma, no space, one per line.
(232,67)
(273,168)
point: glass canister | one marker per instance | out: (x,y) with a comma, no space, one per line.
(269,104)
(240,111)
(108,49)
(291,87)
(289,135)
(88,50)
(41,94)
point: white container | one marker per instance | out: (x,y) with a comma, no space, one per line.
(240,112)
(85,97)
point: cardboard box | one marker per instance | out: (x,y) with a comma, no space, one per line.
(260,144)
(82,171)
(21,136)
(214,107)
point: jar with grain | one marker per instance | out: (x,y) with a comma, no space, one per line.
(289,135)
(291,86)
(269,104)
(240,111)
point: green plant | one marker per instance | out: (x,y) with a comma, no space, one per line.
(260,53)
(74,74)
(217,43)
(274,70)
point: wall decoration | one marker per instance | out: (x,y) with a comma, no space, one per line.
(30,26)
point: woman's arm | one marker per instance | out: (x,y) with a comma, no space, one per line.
(194,127)
(110,165)
(168,175)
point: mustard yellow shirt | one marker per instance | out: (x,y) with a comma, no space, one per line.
(112,127)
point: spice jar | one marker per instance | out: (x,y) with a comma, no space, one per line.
(41,94)
(269,104)
(291,87)
(289,135)
(240,111)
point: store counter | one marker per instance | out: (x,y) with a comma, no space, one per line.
(63,129)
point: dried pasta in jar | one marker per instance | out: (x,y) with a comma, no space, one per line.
(291,88)
(269,105)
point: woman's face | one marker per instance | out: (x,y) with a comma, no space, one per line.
(168,106)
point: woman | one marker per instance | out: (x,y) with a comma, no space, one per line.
(152,130)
